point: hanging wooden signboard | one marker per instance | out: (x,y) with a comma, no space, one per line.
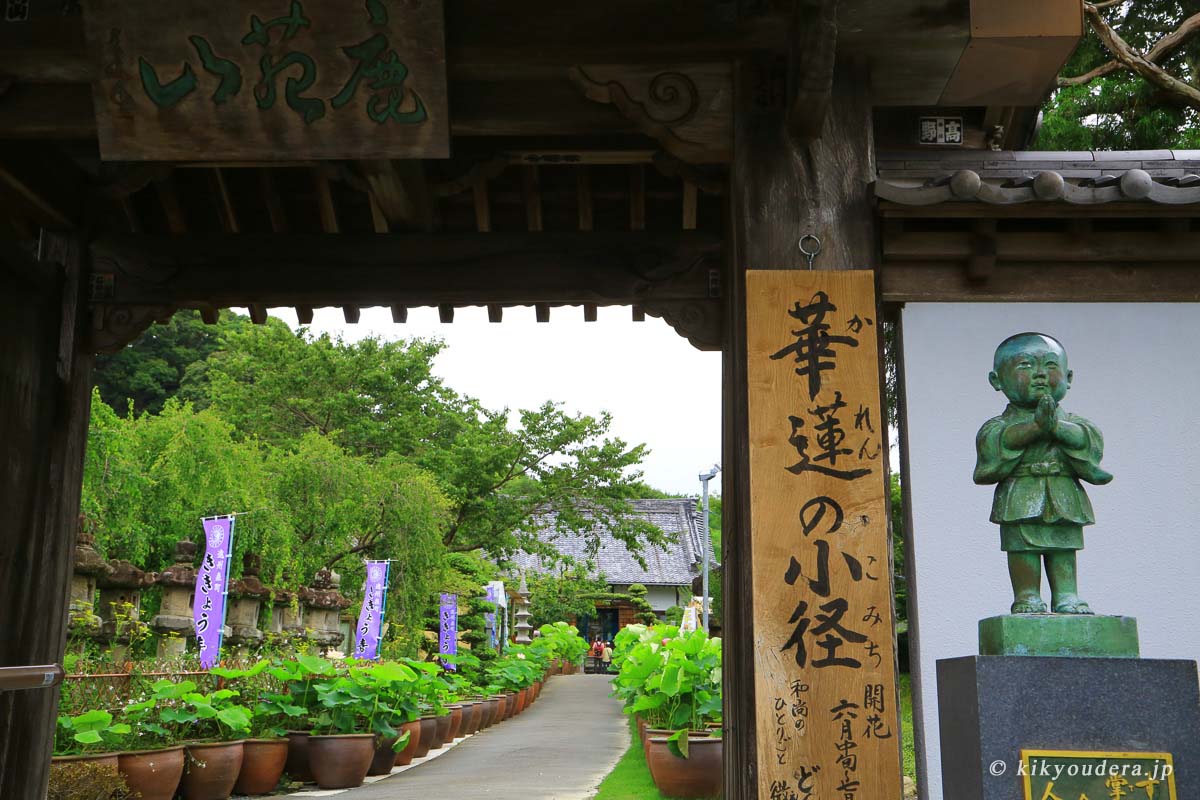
(825,673)
(249,80)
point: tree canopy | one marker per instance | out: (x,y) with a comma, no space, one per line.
(1133,83)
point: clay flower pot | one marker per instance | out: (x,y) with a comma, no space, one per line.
(521,699)
(425,741)
(153,774)
(647,735)
(385,756)
(501,705)
(262,765)
(405,756)
(210,770)
(443,732)
(510,704)
(297,757)
(107,760)
(493,711)
(456,721)
(472,712)
(341,761)
(697,777)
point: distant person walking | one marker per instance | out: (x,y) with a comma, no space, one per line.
(597,648)
(606,656)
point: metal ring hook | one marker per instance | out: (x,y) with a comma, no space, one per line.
(811,255)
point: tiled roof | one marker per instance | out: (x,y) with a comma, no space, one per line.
(674,565)
(1169,177)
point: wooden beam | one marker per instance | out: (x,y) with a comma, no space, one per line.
(542,311)
(611,268)
(329,220)
(229,220)
(445,313)
(1050,281)
(402,193)
(270,195)
(583,194)
(483,208)
(589,312)
(533,197)
(1010,246)
(810,66)
(210,315)
(399,314)
(495,312)
(168,197)
(637,198)
(691,197)
(351,314)
(258,313)
(304,315)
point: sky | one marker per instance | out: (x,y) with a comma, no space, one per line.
(660,390)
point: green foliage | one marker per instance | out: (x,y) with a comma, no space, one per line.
(150,371)
(274,712)
(375,398)
(1122,111)
(566,595)
(898,536)
(673,681)
(213,717)
(645,612)
(562,641)
(90,732)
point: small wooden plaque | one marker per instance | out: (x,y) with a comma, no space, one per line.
(263,80)
(825,671)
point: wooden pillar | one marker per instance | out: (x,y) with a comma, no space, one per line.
(45,395)
(782,189)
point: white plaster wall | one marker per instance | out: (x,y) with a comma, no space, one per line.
(1137,376)
(658,596)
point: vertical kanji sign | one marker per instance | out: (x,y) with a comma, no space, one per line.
(370,618)
(825,673)
(212,583)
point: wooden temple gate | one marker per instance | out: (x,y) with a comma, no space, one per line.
(646,153)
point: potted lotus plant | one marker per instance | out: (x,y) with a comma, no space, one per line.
(299,676)
(342,744)
(89,737)
(265,750)
(154,766)
(218,726)
(394,708)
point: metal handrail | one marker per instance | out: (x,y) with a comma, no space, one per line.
(34,677)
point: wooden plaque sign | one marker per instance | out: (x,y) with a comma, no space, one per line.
(248,80)
(825,675)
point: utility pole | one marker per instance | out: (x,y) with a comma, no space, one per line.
(704,479)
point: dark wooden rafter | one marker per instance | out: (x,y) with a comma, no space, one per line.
(668,271)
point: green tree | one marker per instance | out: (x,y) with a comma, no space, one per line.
(375,398)
(150,370)
(1133,83)
(564,596)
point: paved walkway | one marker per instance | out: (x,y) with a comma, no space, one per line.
(559,749)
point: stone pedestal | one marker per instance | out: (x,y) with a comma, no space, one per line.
(120,604)
(1067,635)
(82,620)
(323,604)
(174,623)
(991,708)
(245,602)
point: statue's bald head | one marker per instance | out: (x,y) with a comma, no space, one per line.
(1020,343)
(1029,365)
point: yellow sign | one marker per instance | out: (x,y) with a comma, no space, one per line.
(825,672)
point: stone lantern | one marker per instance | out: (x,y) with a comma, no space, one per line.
(245,602)
(120,595)
(322,606)
(523,627)
(82,619)
(174,623)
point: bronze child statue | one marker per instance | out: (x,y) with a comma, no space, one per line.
(1038,453)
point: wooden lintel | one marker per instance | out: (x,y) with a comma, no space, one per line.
(1048,281)
(606,268)
(1014,246)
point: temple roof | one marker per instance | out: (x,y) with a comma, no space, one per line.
(1169,177)
(674,565)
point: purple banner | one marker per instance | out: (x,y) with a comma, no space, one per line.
(208,607)
(489,618)
(370,618)
(448,628)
